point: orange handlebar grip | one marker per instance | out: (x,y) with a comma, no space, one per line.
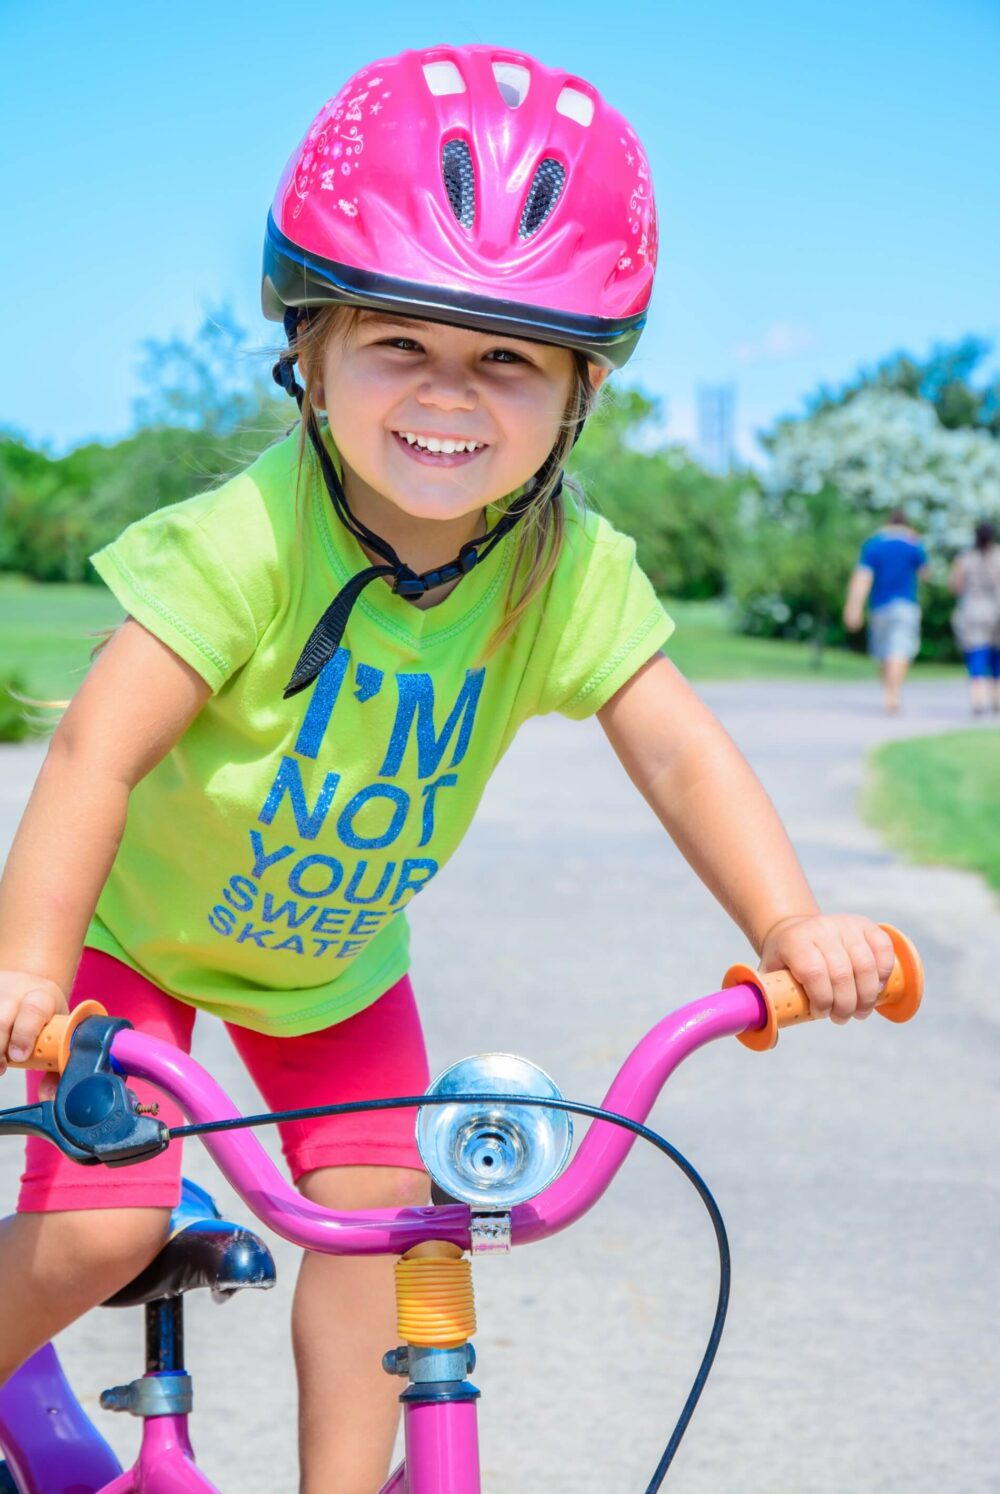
(51,1051)
(787,1002)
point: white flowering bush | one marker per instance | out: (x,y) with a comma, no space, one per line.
(882,449)
(833,478)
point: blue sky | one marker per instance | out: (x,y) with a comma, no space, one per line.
(827,178)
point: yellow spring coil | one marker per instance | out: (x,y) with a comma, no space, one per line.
(434,1302)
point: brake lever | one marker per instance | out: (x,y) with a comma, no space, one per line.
(94,1117)
(38,1120)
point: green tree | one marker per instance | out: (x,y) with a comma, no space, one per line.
(208,410)
(681,516)
(214,385)
(945,378)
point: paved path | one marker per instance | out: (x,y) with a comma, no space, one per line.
(856,1168)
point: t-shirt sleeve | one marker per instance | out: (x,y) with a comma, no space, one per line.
(192,574)
(921,558)
(867,556)
(608,618)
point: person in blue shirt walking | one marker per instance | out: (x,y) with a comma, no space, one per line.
(891,562)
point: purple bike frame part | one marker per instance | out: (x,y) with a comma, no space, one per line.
(45,1435)
(242,1159)
(633,1093)
(165,1464)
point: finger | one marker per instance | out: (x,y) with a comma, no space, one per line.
(37,1007)
(866,977)
(841,973)
(47,1088)
(7,1010)
(880,945)
(810,970)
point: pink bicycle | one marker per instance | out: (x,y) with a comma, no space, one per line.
(495,1136)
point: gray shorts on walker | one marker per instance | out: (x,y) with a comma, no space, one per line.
(894,630)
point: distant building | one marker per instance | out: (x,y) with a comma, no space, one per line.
(717,426)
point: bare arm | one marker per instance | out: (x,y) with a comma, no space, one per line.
(135,703)
(956,577)
(716,811)
(707,797)
(858,588)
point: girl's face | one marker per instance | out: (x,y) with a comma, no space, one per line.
(440,420)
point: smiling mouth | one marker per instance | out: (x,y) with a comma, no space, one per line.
(444,451)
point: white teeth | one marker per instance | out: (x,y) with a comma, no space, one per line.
(445,447)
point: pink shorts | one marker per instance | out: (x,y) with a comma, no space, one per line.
(379,1052)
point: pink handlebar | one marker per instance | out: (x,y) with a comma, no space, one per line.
(633,1093)
(241,1159)
(244,1162)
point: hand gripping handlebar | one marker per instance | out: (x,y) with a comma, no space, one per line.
(51,1050)
(788,1004)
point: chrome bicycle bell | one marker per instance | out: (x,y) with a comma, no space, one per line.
(492,1155)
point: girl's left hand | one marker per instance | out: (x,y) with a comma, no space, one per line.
(842,960)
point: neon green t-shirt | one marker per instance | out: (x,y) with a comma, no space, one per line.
(268,858)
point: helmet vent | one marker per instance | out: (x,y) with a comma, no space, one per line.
(443,78)
(545,191)
(459,180)
(575,105)
(513,81)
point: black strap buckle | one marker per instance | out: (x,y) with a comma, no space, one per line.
(408,584)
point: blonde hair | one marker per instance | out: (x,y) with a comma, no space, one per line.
(540,532)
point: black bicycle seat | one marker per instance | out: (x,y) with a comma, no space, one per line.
(203,1250)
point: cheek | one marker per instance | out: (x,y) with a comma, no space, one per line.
(356,417)
(534,421)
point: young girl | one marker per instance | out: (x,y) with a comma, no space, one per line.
(323,661)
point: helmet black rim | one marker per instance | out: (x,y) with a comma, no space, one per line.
(294,277)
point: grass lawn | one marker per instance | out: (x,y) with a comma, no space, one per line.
(45,632)
(937,799)
(705,649)
(46,636)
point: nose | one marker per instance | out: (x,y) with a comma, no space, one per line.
(448,386)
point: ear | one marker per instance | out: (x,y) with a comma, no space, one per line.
(597,375)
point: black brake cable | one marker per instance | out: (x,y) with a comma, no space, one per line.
(353,1107)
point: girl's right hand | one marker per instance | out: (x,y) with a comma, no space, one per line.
(27,1002)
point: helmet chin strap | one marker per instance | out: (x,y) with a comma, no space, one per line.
(325,638)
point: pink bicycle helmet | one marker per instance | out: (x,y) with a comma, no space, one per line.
(471,185)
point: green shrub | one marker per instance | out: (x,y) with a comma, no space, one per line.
(788,573)
(14,724)
(937,641)
(681,516)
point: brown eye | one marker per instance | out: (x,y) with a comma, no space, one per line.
(506,355)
